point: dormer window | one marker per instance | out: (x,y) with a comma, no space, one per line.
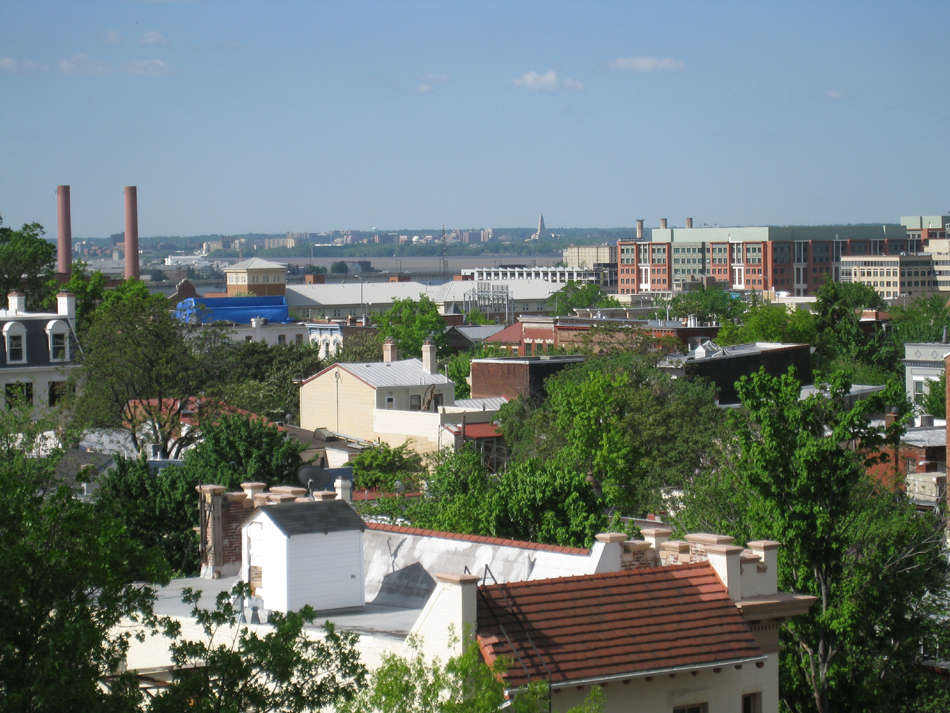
(15,337)
(58,333)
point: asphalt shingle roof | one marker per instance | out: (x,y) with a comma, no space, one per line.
(306,518)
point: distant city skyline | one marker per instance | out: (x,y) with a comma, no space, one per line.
(235,118)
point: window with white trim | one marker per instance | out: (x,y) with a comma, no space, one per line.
(57,332)
(14,335)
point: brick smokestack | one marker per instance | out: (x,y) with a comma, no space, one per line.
(131,232)
(663,223)
(689,222)
(639,230)
(64,238)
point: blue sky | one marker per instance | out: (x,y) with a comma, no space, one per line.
(235,117)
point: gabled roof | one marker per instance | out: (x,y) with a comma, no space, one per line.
(612,624)
(256,263)
(379,374)
(306,518)
(509,335)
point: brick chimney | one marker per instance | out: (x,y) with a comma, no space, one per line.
(389,350)
(64,238)
(429,361)
(662,223)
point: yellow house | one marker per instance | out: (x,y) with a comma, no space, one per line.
(256,277)
(393,401)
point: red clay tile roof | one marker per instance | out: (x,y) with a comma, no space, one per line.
(612,624)
(477,538)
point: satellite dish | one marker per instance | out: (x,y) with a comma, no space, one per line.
(322,479)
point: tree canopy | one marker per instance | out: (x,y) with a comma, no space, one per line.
(795,472)
(69,575)
(141,370)
(26,261)
(575,295)
(463,683)
(88,287)
(410,322)
(161,509)
(283,670)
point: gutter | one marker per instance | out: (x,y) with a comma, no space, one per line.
(647,674)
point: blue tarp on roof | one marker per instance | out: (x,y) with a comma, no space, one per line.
(240,310)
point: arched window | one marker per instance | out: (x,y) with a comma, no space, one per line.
(57,331)
(14,335)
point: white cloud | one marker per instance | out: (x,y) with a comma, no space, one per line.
(8,65)
(111,38)
(547,82)
(646,64)
(149,68)
(84,64)
(835,94)
(153,38)
(429,81)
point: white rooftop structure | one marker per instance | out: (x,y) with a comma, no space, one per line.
(256,263)
(342,298)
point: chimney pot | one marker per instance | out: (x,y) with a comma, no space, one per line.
(429,359)
(66,304)
(16,301)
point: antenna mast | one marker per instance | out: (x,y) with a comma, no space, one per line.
(445,255)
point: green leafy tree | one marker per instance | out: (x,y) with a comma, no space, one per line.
(236,449)
(532,501)
(935,400)
(796,473)
(458,367)
(624,423)
(923,320)
(382,467)
(281,671)
(411,322)
(359,347)
(160,510)
(706,304)
(477,317)
(26,261)
(69,576)
(141,370)
(89,289)
(339,268)
(262,378)
(841,344)
(575,295)
(413,684)
(769,322)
